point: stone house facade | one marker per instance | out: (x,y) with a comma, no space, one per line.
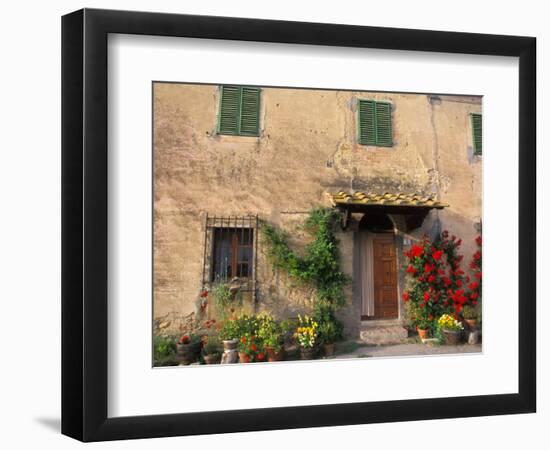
(227,158)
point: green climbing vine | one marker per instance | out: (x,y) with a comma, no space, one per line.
(319,266)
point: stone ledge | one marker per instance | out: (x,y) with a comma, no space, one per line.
(383,335)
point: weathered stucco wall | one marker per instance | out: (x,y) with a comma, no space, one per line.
(307,146)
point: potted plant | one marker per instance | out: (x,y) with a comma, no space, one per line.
(188,348)
(288,328)
(306,335)
(250,350)
(212,349)
(229,334)
(271,335)
(470,315)
(451,329)
(423,326)
(328,332)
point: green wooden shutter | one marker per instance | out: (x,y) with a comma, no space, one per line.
(250,111)
(367,122)
(229,115)
(383,125)
(477,133)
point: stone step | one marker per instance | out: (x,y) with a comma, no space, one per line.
(383,334)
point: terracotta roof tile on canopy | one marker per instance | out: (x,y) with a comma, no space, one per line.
(387,199)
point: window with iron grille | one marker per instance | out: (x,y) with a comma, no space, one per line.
(477,133)
(239,113)
(230,249)
(374,123)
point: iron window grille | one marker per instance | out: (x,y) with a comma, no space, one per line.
(230,251)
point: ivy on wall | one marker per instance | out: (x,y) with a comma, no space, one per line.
(319,266)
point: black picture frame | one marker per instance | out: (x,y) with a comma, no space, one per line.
(84,224)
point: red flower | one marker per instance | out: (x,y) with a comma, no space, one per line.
(426,296)
(431,279)
(447,281)
(253,347)
(261,356)
(459,283)
(416,250)
(478,240)
(431,317)
(184,340)
(411,269)
(437,255)
(473,285)
(478,275)
(428,268)
(477,255)
(405,296)
(204,293)
(474,295)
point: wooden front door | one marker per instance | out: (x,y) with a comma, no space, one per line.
(385,277)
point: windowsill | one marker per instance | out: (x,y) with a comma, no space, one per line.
(236,138)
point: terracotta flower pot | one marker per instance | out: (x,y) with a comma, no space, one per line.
(328,349)
(273,356)
(423,334)
(452,337)
(244,358)
(212,359)
(472,324)
(307,352)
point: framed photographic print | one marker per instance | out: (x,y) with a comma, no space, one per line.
(330,214)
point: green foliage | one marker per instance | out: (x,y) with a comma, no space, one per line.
(470,312)
(224,299)
(244,325)
(270,332)
(329,332)
(212,345)
(319,266)
(164,351)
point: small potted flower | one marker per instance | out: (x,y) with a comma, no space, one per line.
(212,349)
(188,348)
(229,334)
(271,334)
(328,333)
(288,329)
(250,349)
(306,335)
(470,315)
(451,329)
(423,327)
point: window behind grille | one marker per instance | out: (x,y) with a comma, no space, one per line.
(230,249)
(232,253)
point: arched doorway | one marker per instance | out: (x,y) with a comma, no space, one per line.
(378,267)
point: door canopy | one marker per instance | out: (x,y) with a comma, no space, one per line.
(414,207)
